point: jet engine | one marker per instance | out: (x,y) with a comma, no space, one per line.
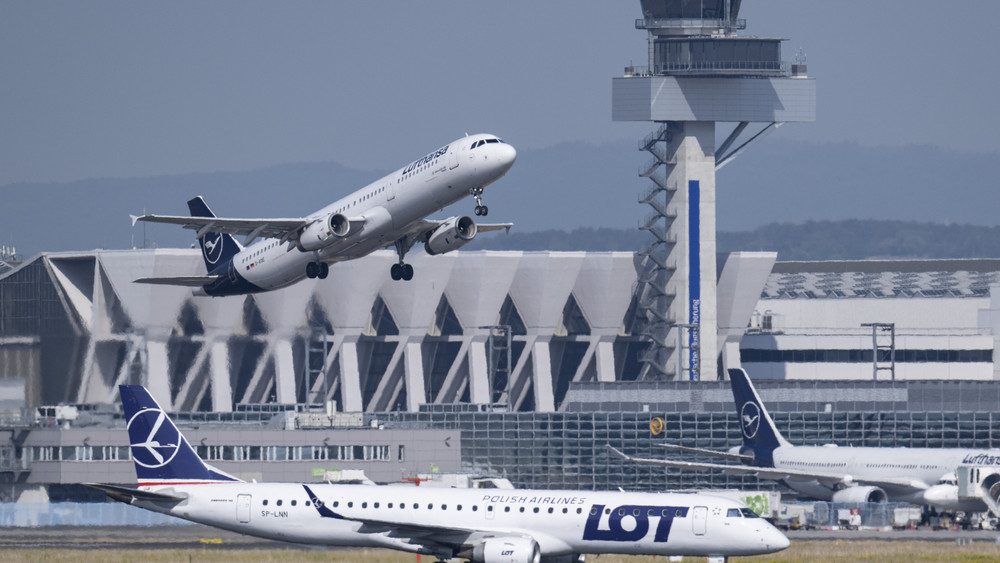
(860,494)
(320,233)
(505,550)
(451,235)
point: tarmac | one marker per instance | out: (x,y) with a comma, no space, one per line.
(204,537)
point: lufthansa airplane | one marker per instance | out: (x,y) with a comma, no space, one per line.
(844,474)
(391,211)
(483,526)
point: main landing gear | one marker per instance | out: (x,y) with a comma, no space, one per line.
(317,270)
(402,270)
(481,209)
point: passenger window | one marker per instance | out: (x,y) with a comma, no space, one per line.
(279,502)
(265,502)
(293,503)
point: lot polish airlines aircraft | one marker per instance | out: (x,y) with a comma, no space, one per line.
(391,211)
(845,474)
(482,525)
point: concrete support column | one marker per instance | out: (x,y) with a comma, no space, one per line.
(480,392)
(222,389)
(541,367)
(284,371)
(158,383)
(693,176)
(413,374)
(605,360)
(350,377)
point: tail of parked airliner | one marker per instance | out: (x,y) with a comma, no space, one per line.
(760,436)
(216,248)
(161,454)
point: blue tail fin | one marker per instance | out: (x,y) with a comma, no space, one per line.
(216,248)
(760,436)
(161,454)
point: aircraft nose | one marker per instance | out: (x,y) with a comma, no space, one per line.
(776,541)
(505,155)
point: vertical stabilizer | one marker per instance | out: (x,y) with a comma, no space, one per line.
(161,454)
(760,436)
(216,248)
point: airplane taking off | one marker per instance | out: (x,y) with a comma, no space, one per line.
(845,474)
(483,526)
(391,211)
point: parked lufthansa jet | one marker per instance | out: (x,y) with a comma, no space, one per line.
(484,526)
(391,211)
(845,474)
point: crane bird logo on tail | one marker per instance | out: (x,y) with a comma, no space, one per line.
(161,443)
(750,419)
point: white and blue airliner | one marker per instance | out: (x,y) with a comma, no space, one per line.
(480,525)
(391,211)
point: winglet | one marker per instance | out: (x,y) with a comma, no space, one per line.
(135,218)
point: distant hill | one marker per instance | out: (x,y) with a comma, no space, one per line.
(813,240)
(578,188)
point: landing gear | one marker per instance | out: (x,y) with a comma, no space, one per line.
(317,270)
(481,209)
(402,270)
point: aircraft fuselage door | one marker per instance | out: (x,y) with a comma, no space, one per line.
(453,158)
(243,509)
(699,520)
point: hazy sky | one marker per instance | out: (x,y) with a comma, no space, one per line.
(132,88)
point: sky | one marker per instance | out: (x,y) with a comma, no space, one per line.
(116,89)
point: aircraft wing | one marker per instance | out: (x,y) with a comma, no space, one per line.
(727,455)
(774,473)
(186,281)
(128,495)
(252,228)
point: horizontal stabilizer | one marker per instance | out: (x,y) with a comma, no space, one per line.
(127,495)
(187,281)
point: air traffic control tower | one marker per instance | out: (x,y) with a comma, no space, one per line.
(700,73)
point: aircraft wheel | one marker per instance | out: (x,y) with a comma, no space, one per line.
(311,270)
(479,210)
(324,270)
(407,272)
(486,211)
(395,272)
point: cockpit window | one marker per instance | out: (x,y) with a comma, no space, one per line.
(482,142)
(747,513)
(733,513)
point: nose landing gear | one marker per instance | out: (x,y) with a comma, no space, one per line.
(481,209)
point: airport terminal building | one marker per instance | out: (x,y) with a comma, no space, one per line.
(516,364)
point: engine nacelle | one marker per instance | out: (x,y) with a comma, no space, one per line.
(860,494)
(340,225)
(507,550)
(451,235)
(321,233)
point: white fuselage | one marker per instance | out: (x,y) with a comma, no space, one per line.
(561,522)
(922,466)
(392,205)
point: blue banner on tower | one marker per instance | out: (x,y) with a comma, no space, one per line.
(694,275)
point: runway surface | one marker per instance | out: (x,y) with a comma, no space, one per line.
(204,537)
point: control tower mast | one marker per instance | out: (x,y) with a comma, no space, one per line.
(700,73)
